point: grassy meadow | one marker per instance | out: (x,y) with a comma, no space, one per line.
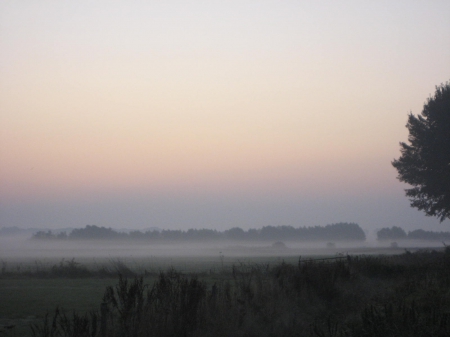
(359,292)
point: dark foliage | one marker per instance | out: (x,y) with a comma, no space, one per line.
(63,325)
(171,307)
(397,233)
(95,232)
(394,233)
(425,162)
(69,269)
(376,296)
(420,234)
(342,231)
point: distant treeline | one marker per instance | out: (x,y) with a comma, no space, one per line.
(397,233)
(334,232)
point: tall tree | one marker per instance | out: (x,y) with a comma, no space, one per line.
(425,162)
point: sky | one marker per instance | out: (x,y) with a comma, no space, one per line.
(213,114)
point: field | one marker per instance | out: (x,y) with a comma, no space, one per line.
(371,291)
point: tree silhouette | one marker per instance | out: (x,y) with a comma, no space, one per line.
(394,233)
(425,162)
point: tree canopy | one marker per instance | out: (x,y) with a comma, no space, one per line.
(394,233)
(342,231)
(425,162)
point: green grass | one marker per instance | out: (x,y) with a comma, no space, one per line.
(22,298)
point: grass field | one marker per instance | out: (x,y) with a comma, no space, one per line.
(295,294)
(30,297)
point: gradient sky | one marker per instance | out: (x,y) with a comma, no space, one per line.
(213,114)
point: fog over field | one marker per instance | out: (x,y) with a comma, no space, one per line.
(24,249)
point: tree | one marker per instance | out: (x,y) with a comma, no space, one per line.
(235,233)
(394,233)
(425,162)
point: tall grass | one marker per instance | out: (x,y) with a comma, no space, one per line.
(66,269)
(404,295)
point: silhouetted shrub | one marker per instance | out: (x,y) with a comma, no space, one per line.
(70,269)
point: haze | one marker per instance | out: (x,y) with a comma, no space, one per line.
(213,114)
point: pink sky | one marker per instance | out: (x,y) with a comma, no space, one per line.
(157,104)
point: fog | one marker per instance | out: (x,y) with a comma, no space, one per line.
(22,248)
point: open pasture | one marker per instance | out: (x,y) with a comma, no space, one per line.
(32,286)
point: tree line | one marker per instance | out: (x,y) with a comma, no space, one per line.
(397,233)
(335,232)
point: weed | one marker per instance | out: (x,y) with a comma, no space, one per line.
(69,269)
(62,325)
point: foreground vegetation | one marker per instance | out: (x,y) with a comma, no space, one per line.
(397,295)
